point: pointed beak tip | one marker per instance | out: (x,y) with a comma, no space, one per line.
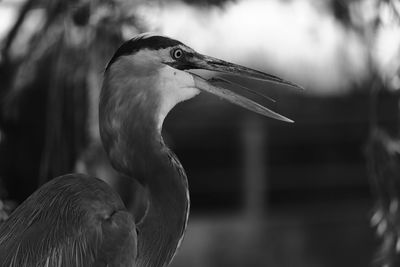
(295,85)
(287,120)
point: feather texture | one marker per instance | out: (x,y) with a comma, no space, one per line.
(74,220)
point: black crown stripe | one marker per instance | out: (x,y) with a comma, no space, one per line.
(141,42)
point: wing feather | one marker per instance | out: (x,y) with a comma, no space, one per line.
(73,220)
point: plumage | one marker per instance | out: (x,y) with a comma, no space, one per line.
(73,220)
(77,220)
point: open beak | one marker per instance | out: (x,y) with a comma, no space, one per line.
(198,61)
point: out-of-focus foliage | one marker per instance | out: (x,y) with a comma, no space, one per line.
(384,169)
(379,22)
(51,66)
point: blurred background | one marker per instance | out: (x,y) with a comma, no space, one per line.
(322,192)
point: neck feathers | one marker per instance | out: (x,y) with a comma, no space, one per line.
(127,120)
(163,227)
(131,134)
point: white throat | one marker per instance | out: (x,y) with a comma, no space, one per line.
(175,86)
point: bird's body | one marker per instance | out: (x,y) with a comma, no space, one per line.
(74,220)
(77,220)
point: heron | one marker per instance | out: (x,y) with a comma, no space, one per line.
(78,220)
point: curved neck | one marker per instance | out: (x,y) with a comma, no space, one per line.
(133,142)
(164,224)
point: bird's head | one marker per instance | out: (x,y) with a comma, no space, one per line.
(160,68)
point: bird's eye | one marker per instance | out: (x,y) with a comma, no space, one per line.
(177,53)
